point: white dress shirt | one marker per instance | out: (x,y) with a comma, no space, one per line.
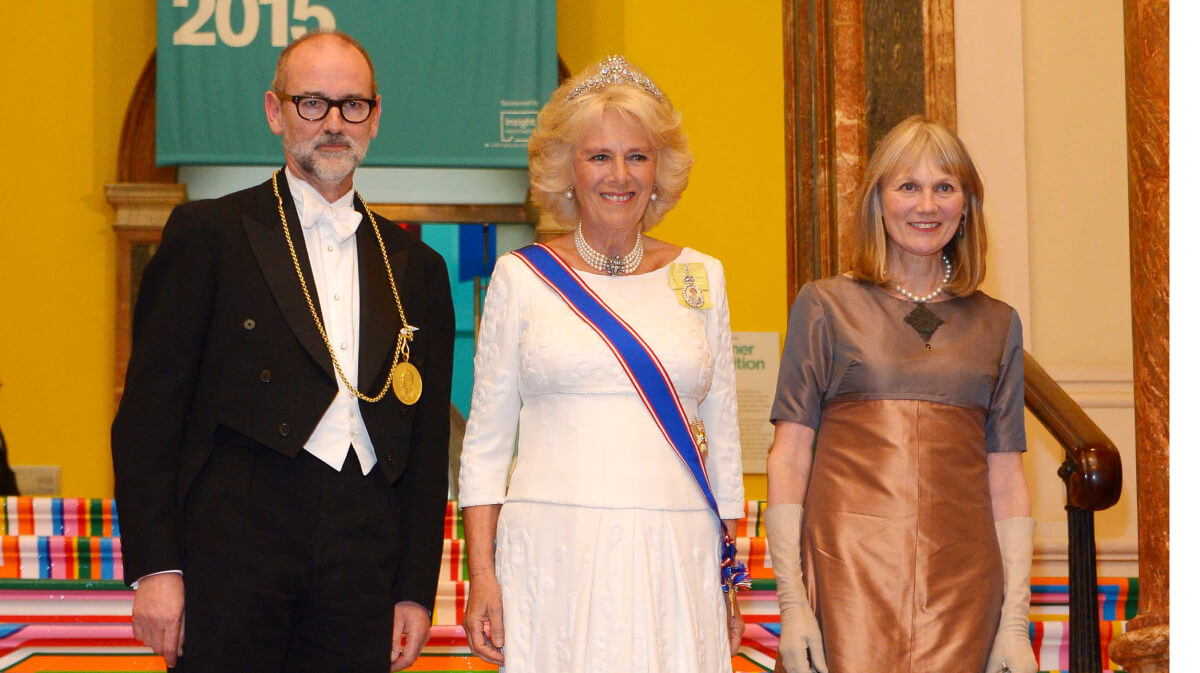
(333,256)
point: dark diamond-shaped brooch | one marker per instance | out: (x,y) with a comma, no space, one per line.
(924,321)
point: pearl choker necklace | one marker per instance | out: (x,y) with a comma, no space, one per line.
(613,266)
(931,295)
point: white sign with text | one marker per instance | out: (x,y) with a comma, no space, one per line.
(756,367)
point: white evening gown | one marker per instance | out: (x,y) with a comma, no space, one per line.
(606,552)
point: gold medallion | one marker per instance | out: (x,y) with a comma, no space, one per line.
(697,427)
(406,383)
(413,386)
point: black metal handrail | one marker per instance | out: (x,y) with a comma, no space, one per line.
(1091,470)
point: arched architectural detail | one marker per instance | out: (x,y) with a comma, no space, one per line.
(135,157)
(142,197)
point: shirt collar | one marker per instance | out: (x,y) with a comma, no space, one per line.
(296,185)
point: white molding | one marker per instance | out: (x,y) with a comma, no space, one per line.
(1117,550)
(1114,558)
(1096,387)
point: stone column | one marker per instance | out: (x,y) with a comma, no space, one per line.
(1144,646)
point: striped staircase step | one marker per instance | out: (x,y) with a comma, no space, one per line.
(71,517)
(64,606)
(1049,629)
(60,557)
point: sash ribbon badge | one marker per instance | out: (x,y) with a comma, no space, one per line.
(690,283)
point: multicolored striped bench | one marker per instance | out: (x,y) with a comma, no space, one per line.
(64,606)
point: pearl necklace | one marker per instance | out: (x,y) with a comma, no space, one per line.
(613,266)
(931,295)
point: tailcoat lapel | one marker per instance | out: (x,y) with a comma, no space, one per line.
(271,250)
(379,322)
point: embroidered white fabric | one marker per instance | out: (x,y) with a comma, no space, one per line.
(606,552)
(585,437)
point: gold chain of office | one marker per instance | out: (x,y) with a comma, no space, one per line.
(406,332)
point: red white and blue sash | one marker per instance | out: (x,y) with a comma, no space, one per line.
(649,379)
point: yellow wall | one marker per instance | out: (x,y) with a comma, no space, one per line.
(1078,184)
(1079,234)
(56,242)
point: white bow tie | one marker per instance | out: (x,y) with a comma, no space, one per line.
(344,220)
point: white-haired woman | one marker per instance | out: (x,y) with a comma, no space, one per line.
(602,552)
(898,513)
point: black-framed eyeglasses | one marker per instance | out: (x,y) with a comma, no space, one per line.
(314,108)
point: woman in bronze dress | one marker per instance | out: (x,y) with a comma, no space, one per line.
(899,516)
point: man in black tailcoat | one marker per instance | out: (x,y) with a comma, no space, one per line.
(281,509)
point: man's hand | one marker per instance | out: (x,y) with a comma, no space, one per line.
(410,632)
(158,615)
(484,618)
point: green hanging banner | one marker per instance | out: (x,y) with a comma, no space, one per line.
(461,80)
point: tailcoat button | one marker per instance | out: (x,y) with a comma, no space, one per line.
(284,429)
(248,323)
(265,376)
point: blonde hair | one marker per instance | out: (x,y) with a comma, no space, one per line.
(280,78)
(562,123)
(905,146)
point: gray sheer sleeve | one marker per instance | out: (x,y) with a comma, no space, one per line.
(1005,430)
(804,368)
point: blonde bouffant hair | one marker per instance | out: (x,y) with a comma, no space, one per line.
(903,147)
(562,123)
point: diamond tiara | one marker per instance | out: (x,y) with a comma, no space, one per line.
(615,70)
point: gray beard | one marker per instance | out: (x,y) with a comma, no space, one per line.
(328,167)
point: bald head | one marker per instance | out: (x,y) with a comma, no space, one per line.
(279,84)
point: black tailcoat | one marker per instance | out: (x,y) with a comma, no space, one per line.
(225,352)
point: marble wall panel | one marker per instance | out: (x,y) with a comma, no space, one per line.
(893,64)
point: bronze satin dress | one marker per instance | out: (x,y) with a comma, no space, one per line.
(898,541)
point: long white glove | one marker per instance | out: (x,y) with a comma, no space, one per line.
(800,637)
(1011,647)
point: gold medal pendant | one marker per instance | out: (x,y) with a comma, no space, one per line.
(406,383)
(701,436)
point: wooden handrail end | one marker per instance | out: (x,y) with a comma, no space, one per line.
(1093,477)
